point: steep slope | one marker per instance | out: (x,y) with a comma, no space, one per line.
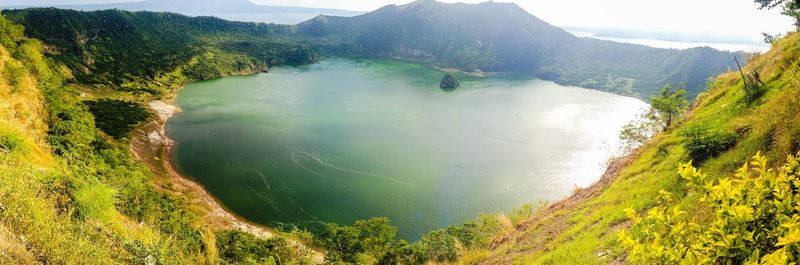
(503,37)
(36,222)
(138,51)
(488,36)
(141,215)
(583,228)
(71,194)
(62,176)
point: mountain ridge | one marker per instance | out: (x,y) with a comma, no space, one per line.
(190,7)
(504,37)
(72,194)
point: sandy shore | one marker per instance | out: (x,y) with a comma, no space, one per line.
(151,145)
(476,73)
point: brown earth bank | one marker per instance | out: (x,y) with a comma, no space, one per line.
(13,249)
(553,219)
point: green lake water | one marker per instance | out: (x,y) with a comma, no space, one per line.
(343,140)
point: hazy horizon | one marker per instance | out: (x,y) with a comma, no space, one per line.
(715,18)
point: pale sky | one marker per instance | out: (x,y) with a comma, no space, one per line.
(724,17)
(720,17)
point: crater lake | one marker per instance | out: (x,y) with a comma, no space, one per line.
(342,140)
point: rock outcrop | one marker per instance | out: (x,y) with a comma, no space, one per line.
(449,83)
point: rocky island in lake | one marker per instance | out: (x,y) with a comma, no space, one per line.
(449,83)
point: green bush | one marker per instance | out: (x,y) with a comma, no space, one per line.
(9,143)
(703,143)
(14,73)
(438,246)
(755,220)
(95,201)
(373,240)
(115,117)
(753,88)
(373,237)
(236,247)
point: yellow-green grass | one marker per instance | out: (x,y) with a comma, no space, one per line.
(49,212)
(586,229)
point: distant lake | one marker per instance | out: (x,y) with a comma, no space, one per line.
(665,44)
(343,140)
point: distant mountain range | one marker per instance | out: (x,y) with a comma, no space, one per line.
(502,37)
(201,7)
(488,37)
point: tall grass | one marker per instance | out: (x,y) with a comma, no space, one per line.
(584,232)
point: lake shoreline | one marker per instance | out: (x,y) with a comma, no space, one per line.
(151,144)
(275,121)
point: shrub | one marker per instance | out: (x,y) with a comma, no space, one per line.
(438,246)
(117,118)
(753,87)
(755,220)
(373,240)
(9,143)
(95,201)
(668,105)
(14,73)
(703,143)
(236,247)
(374,237)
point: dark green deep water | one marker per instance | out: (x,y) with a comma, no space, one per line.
(343,140)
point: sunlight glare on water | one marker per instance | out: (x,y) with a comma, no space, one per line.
(343,140)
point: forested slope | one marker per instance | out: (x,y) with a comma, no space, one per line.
(141,51)
(502,37)
(130,50)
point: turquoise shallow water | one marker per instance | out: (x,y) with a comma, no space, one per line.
(343,140)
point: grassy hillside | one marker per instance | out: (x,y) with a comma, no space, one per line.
(583,229)
(73,195)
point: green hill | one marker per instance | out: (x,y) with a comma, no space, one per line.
(119,48)
(502,37)
(70,194)
(141,51)
(72,86)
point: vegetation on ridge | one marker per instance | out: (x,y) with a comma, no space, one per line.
(148,52)
(67,171)
(62,176)
(474,37)
(756,219)
(117,118)
(722,130)
(72,195)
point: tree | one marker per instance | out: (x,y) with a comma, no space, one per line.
(668,105)
(372,238)
(664,108)
(790,7)
(638,131)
